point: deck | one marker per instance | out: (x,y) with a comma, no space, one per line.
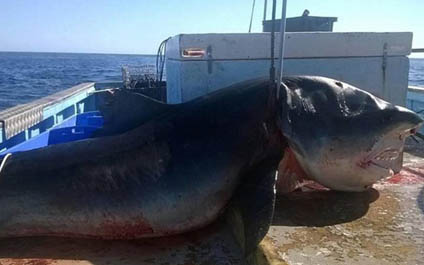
(382,226)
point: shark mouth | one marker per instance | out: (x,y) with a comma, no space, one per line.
(387,155)
(385,159)
(383,162)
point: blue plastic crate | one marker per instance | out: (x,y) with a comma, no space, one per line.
(78,127)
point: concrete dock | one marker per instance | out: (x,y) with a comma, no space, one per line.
(384,225)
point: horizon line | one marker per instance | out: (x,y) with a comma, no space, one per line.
(411,55)
(101,53)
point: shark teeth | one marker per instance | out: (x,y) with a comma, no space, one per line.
(387,155)
(385,158)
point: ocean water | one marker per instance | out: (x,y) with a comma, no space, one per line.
(28,76)
(416,72)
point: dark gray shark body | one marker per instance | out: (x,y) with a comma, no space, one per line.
(173,173)
(179,169)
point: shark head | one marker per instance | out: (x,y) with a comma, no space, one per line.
(343,137)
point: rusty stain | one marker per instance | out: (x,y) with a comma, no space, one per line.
(27,262)
(124,230)
(111,229)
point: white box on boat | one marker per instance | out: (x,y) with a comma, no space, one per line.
(198,64)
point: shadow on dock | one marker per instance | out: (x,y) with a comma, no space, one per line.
(420,200)
(322,208)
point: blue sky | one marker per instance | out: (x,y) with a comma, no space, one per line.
(130,26)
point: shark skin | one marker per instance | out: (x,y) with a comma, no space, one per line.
(171,174)
(188,164)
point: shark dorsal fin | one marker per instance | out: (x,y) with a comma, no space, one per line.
(125,110)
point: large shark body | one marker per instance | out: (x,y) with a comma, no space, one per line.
(168,169)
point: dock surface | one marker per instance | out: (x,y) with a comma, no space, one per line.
(384,225)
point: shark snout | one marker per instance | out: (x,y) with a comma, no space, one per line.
(398,121)
(408,119)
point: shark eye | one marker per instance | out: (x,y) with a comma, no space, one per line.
(338,83)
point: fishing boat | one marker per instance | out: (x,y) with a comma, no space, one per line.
(383,225)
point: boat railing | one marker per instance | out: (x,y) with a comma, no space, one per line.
(22,122)
(415,96)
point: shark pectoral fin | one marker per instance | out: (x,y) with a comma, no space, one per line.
(290,174)
(251,210)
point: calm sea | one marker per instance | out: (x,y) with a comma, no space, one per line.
(28,76)
(416,72)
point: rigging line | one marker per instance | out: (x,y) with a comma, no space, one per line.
(251,16)
(4,161)
(282,45)
(272,69)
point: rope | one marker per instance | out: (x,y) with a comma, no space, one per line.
(4,161)
(272,110)
(272,69)
(251,16)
